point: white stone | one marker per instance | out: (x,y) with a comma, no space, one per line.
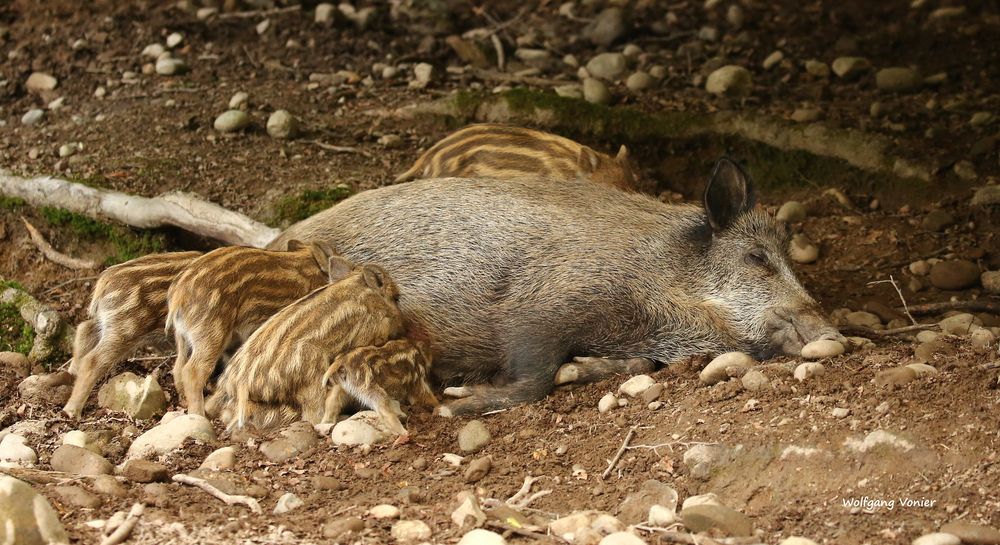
(411,530)
(959,324)
(808,370)
(823,348)
(231,121)
(608,402)
(802,250)
(661,516)
(153,51)
(922,369)
(223,458)
(729,80)
(174,39)
(981,338)
(840,412)
(718,369)
(26,518)
(15,453)
(701,499)
(40,81)
(423,72)
(384,511)
(286,503)
(774,58)
(168,66)
(622,538)
(794,540)
(324,13)
(164,438)
(482,537)
(32,117)
(362,428)
(281,124)
(791,212)
(636,385)
(238,100)
(937,538)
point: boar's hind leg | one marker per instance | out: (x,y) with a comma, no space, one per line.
(87,337)
(92,367)
(583,370)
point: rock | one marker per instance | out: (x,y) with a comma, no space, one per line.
(735,16)
(955,274)
(569,526)
(636,385)
(16,361)
(701,459)
(606,28)
(323,482)
(863,318)
(718,369)
(423,72)
(991,282)
(793,540)
(922,369)
(878,438)
(324,13)
(108,486)
(48,389)
(139,398)
(937,220)
(473,436)
(965,170)
(639,81)
(808,370)
(482,537)
(39,82)
(622,538)
(806,115)
(791,212)
(984,196)
(169,66)
(26,517)
(336,528)
(774,58)
(802,250)
(607,402)
(850,67)
(174,39)
(958,324)
(572,90)
(607,66)
(534,57)
(823,348)
(360,17)
(77,496)
(701,518)
(635,508)
(755,381)
(478,469)
(153,51)
(286,503)
(972,534)
(708,34)
(384,511)
(223,458)
(15,453)
(595,92)
(927,336)
(164,438)
(895,377)
(937,538)
(840,412)
(231,121)
(982,338)
(32,117)
(898,80)
(79,461)
(411,530)
(238,100)
(661,516)
(730,80)
(817,69)
(282,124)
(362,428)
(145,471)
(651,394)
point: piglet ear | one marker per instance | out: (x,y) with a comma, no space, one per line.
(588,160)
(295,244)
(322,252)
(338,268)
(622,153)
(729,194)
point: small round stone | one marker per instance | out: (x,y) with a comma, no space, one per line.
(718,369)
(282,124)
(791,212)
(384,511)
(802,250)
(473,436)
(594,91)
(730,80)
(639,81)
(32,117)
(232,121)
(808,370)
(168,66)
(823,348)
(238,100)
(955,274)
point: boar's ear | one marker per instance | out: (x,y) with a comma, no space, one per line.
(622,154)
(587,161)
(338,268)
(728,195)
(295,244)
(374,277)
(322,252)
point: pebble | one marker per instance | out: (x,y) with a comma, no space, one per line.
(47,389)
(979,119)
(791,212)
(169,66)
(991,282)
(478,469)
(636,385)
(708,34)
(802,250)
(28,512)
(927,336)
(754,381)
(896,79)
(595,92)
(108,486)
(862,318)
(77,496)
(937,220)
(423,72)
(651,394)
(635,508)
(795,540)
(32,117)
(735,16)
(701,459)
(362,428)
(287,502)
(232,121)
(607,402)
(220,459)
(773,59)
(239,99)
(703,517)
(79,461)
(571,90)
(920,268)
(174,39)
(153,51)
(411,530)
(473,436)
(808,370)
(282,124)
(817,69)
(806,115)
(532,56)
(384,511)
(639,81)
(981,338)
(606,28)
(974,534)
(937,538)
(631,51)
(718,369)
(324,13)
(850,67)
(164,438)
(139,398)
(608,66)
(145,471)
(922,369)
(661,516)
(15,453)
(730,80)
(658,71)
(16,361)
(958,324)
(955,274)
(986,195)
(622,538)
(336,528)
(39,82)
(823,348)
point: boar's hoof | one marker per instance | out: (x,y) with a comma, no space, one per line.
(444,411)
(458,391)
(567,373)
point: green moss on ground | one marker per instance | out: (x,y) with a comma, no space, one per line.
(307,203)
(15,334)
(11,203)
(127,243)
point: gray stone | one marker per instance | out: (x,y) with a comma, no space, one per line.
(850,67)
(26,518)
(164,438)
(755,381)
(282,124)
(730,80)
(937,538)
(595,92)
(145,471)
(862,318)
(406,531)
(169,66)
(16,361)
(991,282)
(701,518)
(701,459)
(622,538)
(223,458)
(32,117)
(606,28)
(478,469)
(362,428)
(808,370)
(899,80)
(286,503)
(231,121)
(607,402)
(717,370)
(47,389)
(973,534)
(959,324)
(423,72)
(608,66)
(986,195)
(77,497)
(107,485)
(639,81)
(39,82)
(636,385)
(822,348)
(79,461)
(473,437)
(955,274)
(139,398)
(337,528)
(635,508)
(791,212)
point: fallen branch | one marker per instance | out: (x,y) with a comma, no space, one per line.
(337,149)
(618,455)
(503,77)
(54,255)
(892,281)
(992,307)
(862,331)
(521,499)
(125,528)
(258,13)
(176,209)
(227,498)
(40,476)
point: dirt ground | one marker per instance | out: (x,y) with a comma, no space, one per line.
(150,133)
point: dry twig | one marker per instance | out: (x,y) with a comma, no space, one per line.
(258,13)
(892,281)
(40,476)
(227,498)
(125,528)
(338,149)
(993,307)
(861,331)
(521,498)
(54,255)
(621,451)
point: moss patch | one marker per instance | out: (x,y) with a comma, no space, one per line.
(15,334)
(127,243)
(307,203)
(11,203)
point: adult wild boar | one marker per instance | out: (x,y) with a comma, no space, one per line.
(511,278)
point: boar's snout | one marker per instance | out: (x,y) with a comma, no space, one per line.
(791,329)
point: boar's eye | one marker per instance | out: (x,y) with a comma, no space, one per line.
(757,258)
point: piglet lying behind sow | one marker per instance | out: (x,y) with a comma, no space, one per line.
(511,278)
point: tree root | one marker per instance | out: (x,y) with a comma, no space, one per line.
(54,255)
(229,499)
(52,334)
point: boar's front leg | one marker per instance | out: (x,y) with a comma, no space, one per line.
(583,370)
